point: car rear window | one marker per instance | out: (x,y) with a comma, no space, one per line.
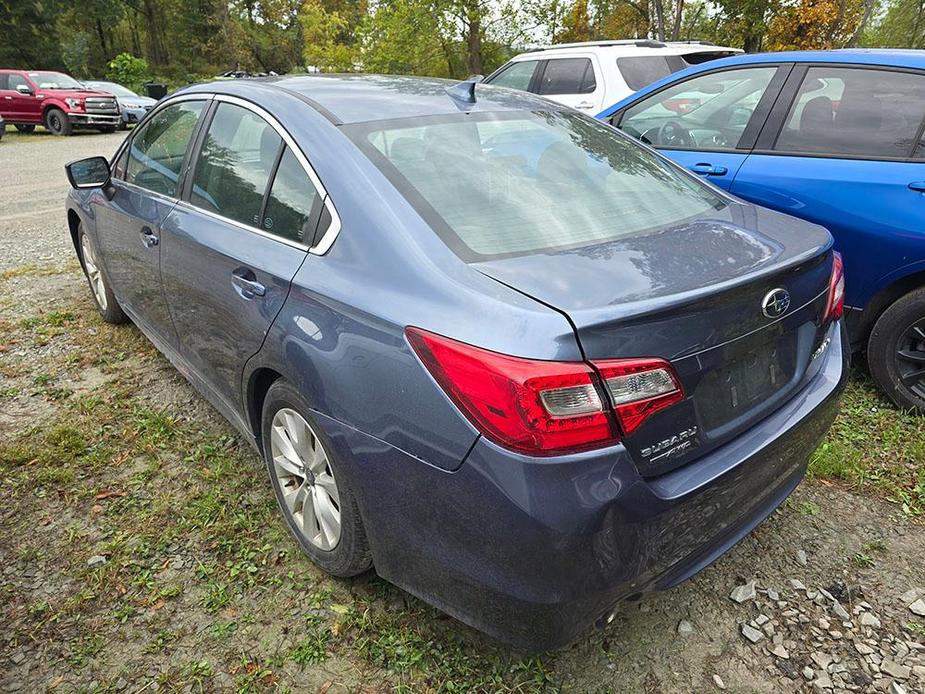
(640,71)
(504,184)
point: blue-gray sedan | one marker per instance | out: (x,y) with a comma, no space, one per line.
(519,363)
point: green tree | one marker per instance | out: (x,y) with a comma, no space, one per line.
(128,71)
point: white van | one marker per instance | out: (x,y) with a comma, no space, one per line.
(593,75)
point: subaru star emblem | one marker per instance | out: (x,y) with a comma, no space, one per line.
(775,303)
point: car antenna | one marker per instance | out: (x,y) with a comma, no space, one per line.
(463,92)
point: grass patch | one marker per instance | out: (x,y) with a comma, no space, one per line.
(874,447)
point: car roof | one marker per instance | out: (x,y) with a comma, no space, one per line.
(625,47)
(361,98)
(895,57)
(887,57)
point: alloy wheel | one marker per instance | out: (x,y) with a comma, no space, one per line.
(97,283)
(910,358)
(306,480)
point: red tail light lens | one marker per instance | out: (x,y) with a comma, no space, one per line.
(539,407)
(546,407)
(639,388)
(836,305)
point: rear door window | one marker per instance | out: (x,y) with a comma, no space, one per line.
(643,70)
(293,203)
(237,158)
(709,111)
(516,75)
(159,147)
(855,112)
(567,76)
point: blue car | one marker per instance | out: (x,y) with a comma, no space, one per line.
(834,137)
(494,348)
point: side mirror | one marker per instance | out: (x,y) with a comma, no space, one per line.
(475,78)
(24,89)
(92,172)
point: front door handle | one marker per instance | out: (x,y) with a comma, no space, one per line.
(148,237)
(585,104)
(246,284)
(709,170)
(917,185)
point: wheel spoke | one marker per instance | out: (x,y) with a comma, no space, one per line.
(325,512)
(318,462)
(919,332)
(279,439)
(914,356)
(309,515)
(912,377)
(328,486)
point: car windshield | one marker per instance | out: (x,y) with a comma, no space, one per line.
(110,88)
(54,80)
(517,183)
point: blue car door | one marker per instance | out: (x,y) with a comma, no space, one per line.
(841,149)
(232,246)
(129,218)
(707,122)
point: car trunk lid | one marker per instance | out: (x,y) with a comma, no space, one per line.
(693,294)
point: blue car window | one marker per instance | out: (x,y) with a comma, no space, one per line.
(495,185)
(292,202)
(854,112)
(235,164)
(705,112)
(159,147)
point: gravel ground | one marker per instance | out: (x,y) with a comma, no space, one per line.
(140,548)
(33,190)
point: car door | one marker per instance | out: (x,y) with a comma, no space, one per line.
(145,188)
(573,81)
(707,122)
(24,107)
(231,248)
(842,149)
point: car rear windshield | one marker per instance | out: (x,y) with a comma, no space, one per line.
(518,183)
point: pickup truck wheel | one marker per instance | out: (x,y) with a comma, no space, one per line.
(25,129)
(57,122)
(896,351)
(103,297)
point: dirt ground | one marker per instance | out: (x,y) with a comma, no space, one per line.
(141,550)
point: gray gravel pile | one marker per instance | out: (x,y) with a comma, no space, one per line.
(832,639)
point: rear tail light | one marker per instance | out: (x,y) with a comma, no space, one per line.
(639,388)
(546,407)
(836,304)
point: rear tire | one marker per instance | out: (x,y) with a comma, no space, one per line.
(25,128)
(57,122)
(100,289)
(896,351)
(302,466)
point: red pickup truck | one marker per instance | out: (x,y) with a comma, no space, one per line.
(55,100)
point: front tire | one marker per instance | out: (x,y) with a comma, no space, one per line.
(25,128)
(896,351)
(57,122)
(311,485)
(103,297)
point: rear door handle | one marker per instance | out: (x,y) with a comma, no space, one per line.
(148,237)
(246,284)
(709,170)
(917,185)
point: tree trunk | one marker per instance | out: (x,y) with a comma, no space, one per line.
(102,38)
(659,20)
(679,13)
(474,37)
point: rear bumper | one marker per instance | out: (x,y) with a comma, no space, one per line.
(534,551)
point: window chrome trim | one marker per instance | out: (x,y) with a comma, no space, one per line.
(322,246)
(330,234)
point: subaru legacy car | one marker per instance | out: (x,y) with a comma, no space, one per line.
(834,137)
(133,106)
(490,346)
